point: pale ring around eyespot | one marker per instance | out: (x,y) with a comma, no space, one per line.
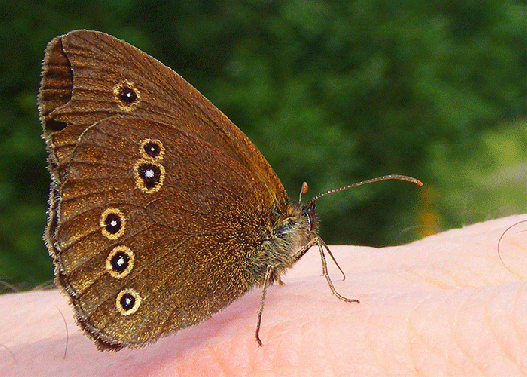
(156,181)
(126,95)
(144,153)
(129,296)
(120,222)
(126,256)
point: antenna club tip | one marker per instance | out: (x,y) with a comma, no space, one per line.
(408,179)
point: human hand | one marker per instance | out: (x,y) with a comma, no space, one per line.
(445,305)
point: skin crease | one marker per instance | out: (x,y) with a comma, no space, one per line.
(445,305)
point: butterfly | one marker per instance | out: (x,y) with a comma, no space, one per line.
(161,211)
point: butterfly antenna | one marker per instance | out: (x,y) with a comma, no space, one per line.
(394,177)
(303,190)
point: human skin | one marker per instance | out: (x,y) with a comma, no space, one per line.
(443,306)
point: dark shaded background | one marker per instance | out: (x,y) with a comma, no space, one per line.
(331,92)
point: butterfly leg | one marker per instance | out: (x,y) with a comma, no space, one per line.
(268,275)
(321,245)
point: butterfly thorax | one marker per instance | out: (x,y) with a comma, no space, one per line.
(287,238)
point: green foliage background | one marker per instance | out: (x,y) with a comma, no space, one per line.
(331,92)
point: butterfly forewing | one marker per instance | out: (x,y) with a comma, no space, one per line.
(88,76)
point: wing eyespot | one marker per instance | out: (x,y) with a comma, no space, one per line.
(126,95)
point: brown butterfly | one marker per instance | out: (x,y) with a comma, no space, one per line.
(162,212)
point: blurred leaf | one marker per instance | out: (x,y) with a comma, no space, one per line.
(331,92)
